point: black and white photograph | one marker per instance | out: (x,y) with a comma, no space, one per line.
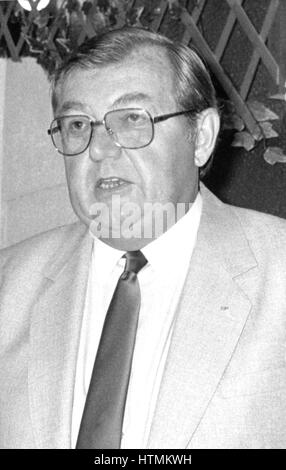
(143,227)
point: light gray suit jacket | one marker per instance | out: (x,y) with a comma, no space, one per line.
(224,384)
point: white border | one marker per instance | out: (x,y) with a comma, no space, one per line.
(3,71)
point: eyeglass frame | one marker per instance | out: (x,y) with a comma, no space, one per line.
(93,123)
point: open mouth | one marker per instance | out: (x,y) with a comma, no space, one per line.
(110,183)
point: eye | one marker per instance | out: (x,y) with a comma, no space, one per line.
(135,119)
(75,125)
(78,124)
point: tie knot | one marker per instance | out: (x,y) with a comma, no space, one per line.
(135,261)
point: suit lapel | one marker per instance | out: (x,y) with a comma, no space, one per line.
(210,317)
(54,341)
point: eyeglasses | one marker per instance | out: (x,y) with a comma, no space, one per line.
(131,128)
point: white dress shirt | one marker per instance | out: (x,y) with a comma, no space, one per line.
(161,283)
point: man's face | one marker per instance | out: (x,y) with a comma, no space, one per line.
(163,172)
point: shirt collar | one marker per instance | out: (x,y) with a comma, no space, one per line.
(106,257)
(167,251)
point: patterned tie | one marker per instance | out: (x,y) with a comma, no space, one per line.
(101,425)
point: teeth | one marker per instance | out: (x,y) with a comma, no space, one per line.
(110,183)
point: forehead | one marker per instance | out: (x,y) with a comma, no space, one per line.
(146,75)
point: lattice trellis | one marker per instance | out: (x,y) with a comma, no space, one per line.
(213,57)
(5,14)
(190,14)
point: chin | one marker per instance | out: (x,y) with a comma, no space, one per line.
(126,244)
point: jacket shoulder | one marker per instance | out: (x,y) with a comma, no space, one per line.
(39,248)
(267,228)
(234,230)
(254,224)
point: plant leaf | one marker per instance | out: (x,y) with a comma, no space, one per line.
(279,96)
(268,130)
(233,122)
(274,155)
(243,139)
(260,112)
(172,3)
(97,20)
(257,133)
(42,18)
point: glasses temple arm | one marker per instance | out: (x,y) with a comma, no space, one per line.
(164,117)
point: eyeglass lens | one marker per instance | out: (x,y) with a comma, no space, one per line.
(130,128)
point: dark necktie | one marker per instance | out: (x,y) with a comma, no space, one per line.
(101,425)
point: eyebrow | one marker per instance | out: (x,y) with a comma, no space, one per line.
(122,100)
(68,105)
(130,97)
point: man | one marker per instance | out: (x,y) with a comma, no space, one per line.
(136,119)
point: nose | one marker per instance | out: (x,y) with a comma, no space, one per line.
(102,145)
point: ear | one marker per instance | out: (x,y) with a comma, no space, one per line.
(207,129)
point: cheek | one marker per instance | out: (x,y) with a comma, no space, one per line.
(76,180)
(169,165)
(174,172)
(157,177)
(70,174)
(77,173)
(150,170)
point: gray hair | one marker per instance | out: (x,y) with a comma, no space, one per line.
(194,88)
